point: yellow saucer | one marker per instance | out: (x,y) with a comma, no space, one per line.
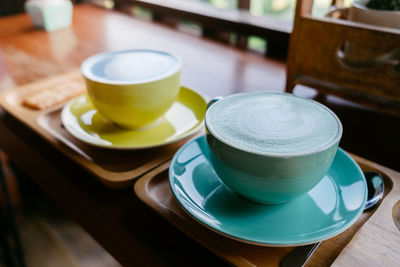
(184,118)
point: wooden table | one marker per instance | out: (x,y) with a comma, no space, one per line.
(129,230)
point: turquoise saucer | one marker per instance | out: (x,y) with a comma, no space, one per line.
(328,209)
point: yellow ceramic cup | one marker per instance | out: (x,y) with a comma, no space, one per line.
(132,88)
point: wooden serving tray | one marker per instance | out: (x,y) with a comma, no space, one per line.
(114,168)
(374,239)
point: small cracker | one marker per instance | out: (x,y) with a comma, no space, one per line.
(53,96)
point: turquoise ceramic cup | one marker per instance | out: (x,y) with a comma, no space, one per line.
(283,166)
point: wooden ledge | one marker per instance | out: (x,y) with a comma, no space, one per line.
(275,30)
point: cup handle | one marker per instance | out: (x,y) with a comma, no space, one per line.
(212,101)
(391,57)
(338,12)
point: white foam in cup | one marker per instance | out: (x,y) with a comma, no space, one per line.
(131,66)
(277,124)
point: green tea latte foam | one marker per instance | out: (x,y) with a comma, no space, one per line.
(271,123)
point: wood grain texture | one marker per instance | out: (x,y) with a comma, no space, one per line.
(131,232)
(115,168)
(377,243)
(52,238)
(153,189)
(28,54)
(313,59)
(115,218)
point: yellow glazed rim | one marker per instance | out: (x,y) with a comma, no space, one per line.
(90,60)
(186,116)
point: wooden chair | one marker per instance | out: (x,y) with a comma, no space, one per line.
(355,61)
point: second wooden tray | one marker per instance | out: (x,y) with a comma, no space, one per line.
(154,190)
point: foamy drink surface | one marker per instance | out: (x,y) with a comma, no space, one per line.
(273,123)
(130,66)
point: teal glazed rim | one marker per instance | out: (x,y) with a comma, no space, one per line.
(335,203)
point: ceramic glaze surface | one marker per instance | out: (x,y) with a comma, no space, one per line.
(184,118)
(271,123)
(130,66)
(132,88)
(328,209)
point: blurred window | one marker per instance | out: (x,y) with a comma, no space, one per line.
(278,8)
(273,19)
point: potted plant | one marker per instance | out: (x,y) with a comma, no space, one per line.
(393,5)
